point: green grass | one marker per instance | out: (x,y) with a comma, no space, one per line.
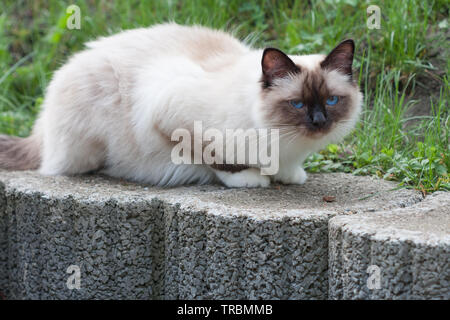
(417,156)
(407,53)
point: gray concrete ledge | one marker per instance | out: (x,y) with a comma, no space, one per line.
(409,246)
(198,242)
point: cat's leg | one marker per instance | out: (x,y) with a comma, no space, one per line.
(294,174)
(247,178)
(68,155)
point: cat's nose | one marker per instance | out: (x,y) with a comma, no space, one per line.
(319,119)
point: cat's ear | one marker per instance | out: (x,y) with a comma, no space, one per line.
(340,58)
(276,64)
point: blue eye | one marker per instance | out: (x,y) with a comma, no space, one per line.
(296,104)
(332,100)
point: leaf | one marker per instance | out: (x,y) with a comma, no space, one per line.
(333,148)
(441,170)
(443,24)
(329,198)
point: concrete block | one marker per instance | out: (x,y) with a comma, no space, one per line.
(410,247)
(197,242)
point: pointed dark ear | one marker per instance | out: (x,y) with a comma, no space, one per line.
(340,58)
(276,64)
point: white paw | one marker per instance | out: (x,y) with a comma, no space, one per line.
(249,178)
(296,175)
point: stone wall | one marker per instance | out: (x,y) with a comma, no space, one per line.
(207,242)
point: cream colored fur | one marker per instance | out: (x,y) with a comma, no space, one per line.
(114,105)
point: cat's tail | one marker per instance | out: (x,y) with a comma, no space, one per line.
(20,153)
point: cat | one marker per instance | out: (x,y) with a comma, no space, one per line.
(114,106)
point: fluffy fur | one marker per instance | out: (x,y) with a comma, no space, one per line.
(114,106)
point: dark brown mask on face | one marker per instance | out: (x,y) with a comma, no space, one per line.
(304,98)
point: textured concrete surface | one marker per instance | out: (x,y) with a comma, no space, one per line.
(409,246)
(198,242)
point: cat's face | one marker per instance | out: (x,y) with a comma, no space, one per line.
(315,96)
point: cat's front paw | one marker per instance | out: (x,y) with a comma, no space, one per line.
(248,178)
(295,175)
